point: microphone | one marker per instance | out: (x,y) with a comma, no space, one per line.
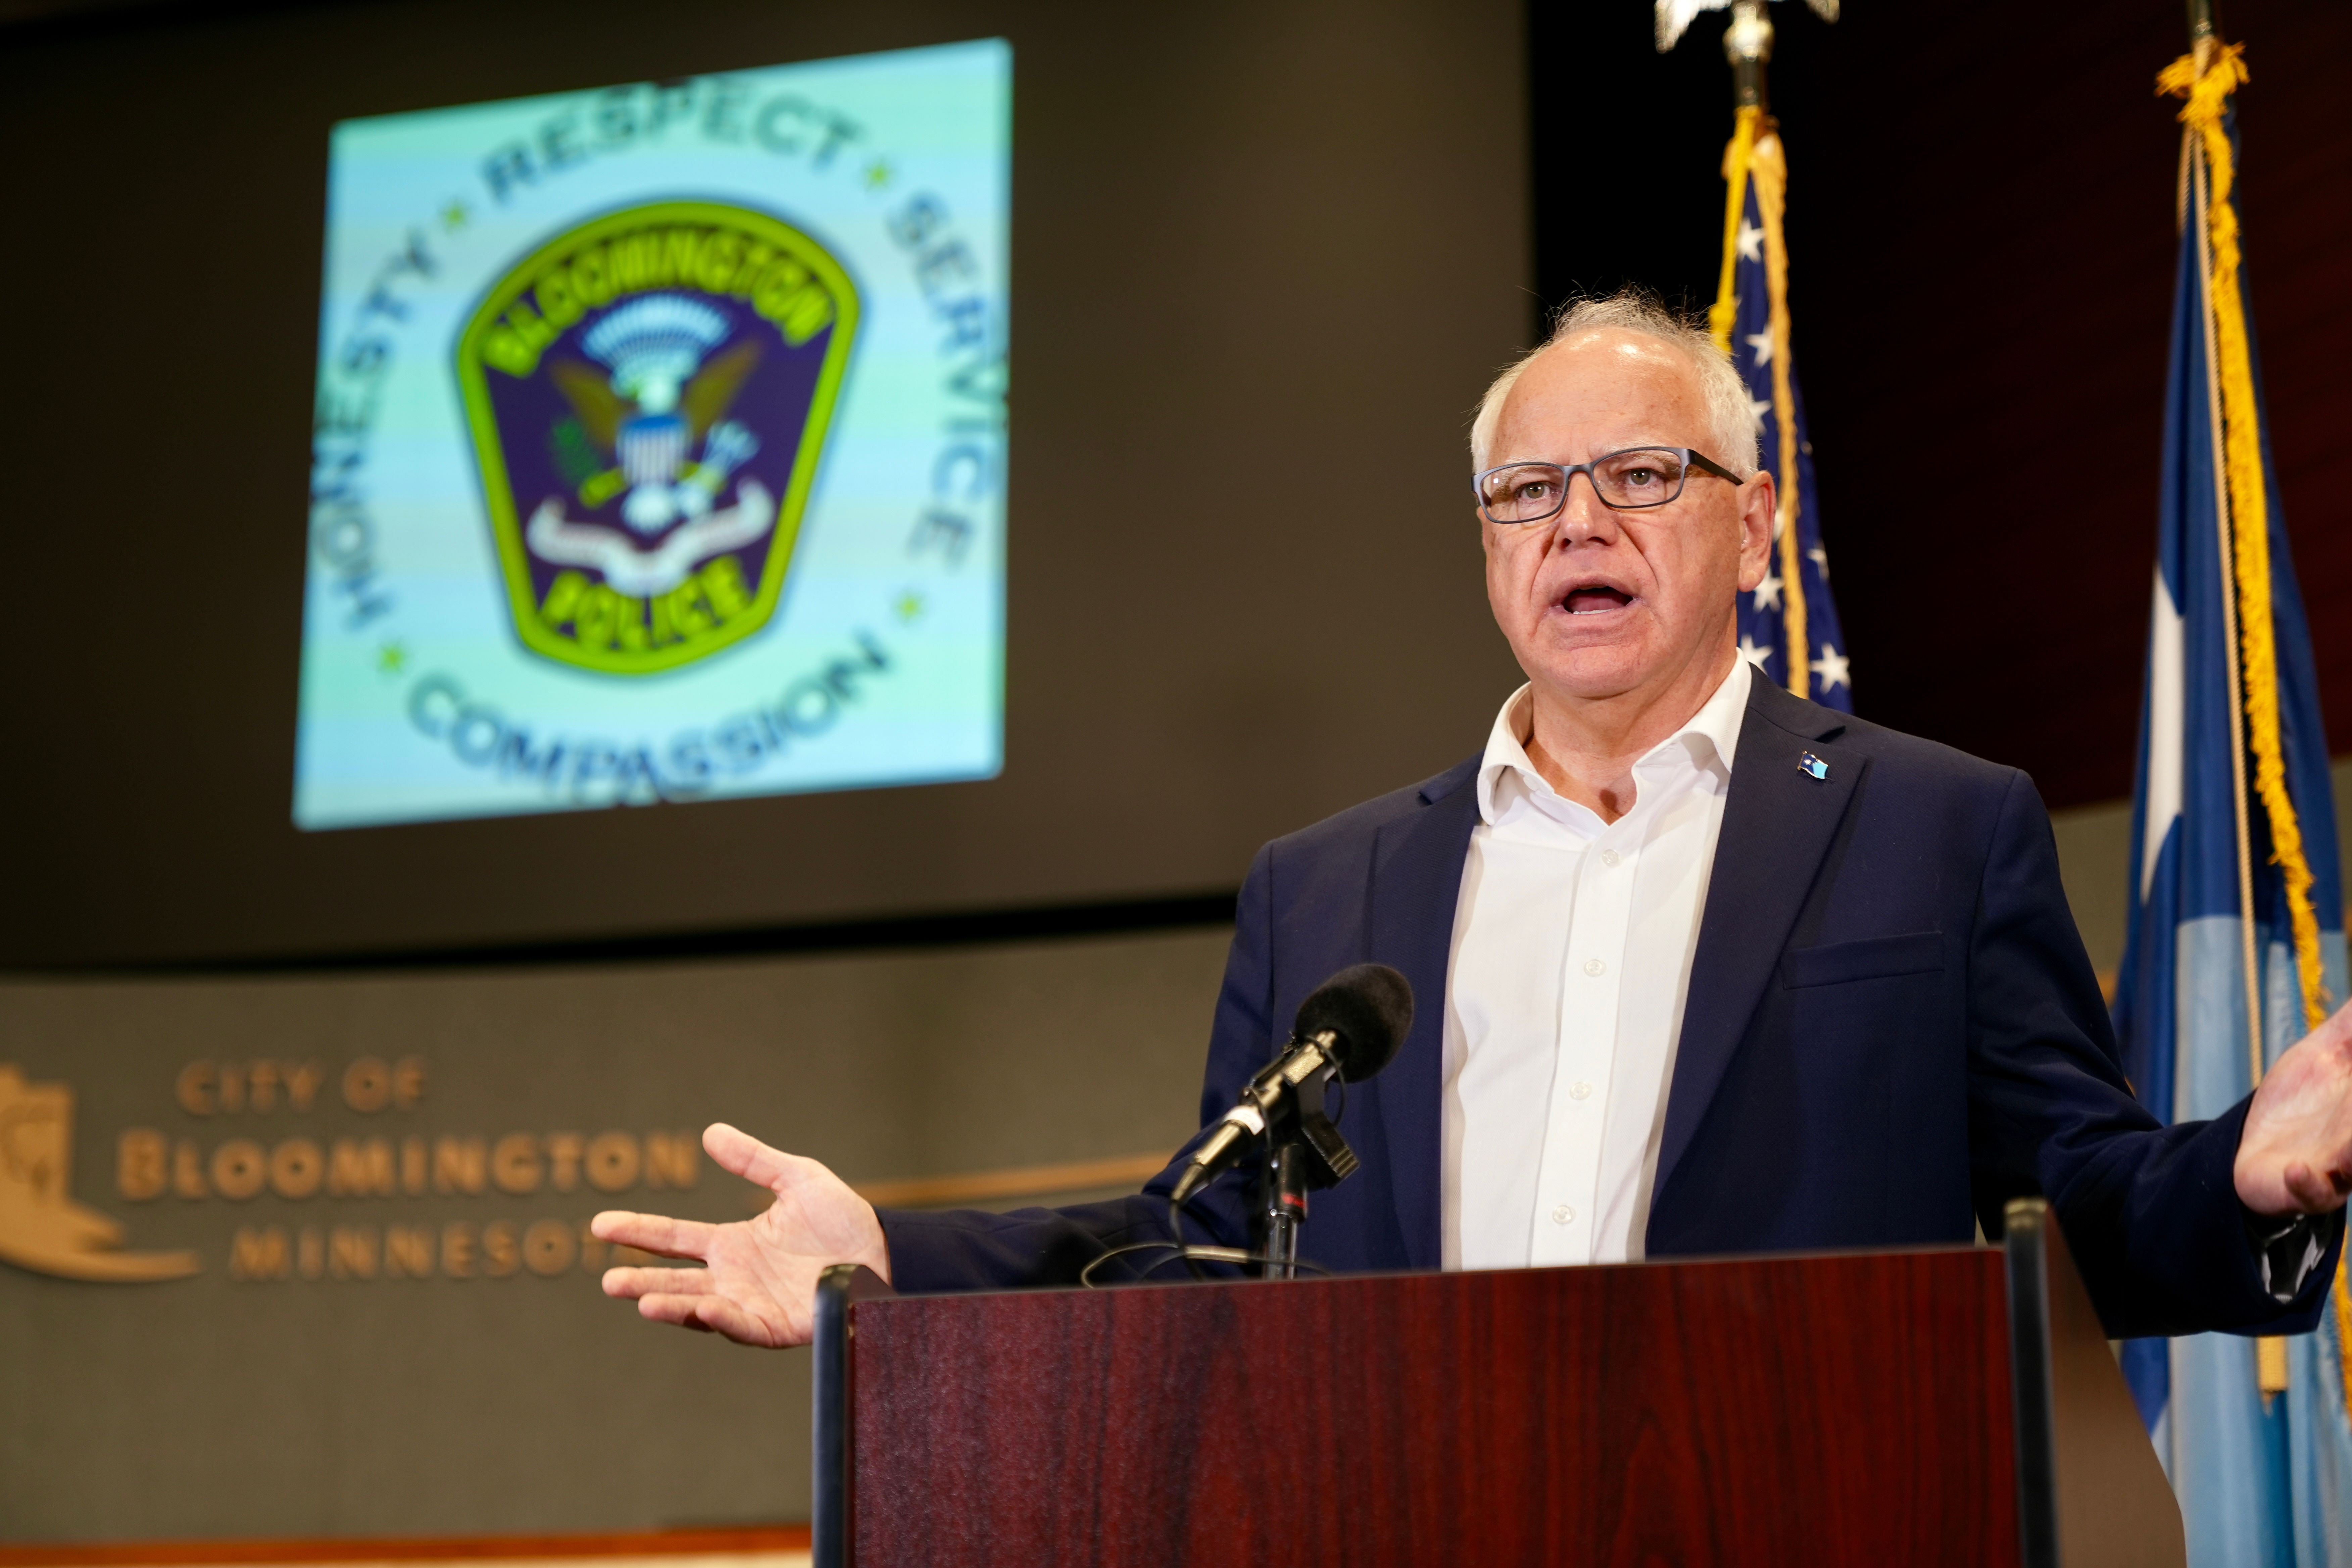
(1349,1029)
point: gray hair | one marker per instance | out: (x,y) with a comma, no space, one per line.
(1731,426)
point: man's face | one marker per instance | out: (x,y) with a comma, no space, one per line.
(1596,603)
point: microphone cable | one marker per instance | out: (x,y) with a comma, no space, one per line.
(1194,1257)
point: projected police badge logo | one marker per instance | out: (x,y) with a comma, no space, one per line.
(660,446)
(649,394)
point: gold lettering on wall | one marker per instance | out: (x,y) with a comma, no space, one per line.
(195,1089)
(501,1249)
(457,1250)
(264,1172)
(205,1088)
(407,1252)
(367,1085)
(359,1170)
(548,1248)
(302,1081)
(239,1168)
(563,1157)
(257,1253)
(352,1251)
(612,1161)
(297,1167)
(672,1159)
(148,1165)
(459,1166)
(515,1163)
(141,1164)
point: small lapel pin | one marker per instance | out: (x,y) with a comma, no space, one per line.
(1813,766)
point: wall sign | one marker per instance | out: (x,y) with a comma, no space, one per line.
(660,446)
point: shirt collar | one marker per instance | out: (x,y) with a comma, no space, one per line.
(1709,738)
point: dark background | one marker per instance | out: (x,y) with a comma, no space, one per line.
(1240,232)
(1981,239)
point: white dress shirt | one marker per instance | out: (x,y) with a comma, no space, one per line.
(1572,958)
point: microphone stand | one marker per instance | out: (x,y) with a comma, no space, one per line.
(1286,1209)
(1305,1152)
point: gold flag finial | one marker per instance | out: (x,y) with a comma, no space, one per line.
(1674,17)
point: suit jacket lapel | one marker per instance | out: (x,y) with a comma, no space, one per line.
(1778,823)
(1416,883)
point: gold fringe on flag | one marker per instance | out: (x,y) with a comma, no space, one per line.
(1755,153)
(2207,93)
(1724,311)
(2207,84)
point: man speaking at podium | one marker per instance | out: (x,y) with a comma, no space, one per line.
(1702,967)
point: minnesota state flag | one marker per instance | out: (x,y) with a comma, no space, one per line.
(2237,938)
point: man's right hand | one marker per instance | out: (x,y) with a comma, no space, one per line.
(757,1285)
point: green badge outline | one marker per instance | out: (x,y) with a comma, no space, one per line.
(498,489)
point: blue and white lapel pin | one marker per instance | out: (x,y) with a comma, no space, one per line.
(1813,767)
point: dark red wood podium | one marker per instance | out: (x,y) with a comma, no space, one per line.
(1931,1406)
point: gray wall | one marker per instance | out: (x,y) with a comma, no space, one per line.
(218,1407)
(2094,855)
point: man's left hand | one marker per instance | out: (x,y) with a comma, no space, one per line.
(2295,1156)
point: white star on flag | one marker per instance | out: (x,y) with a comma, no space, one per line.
(1756,409)
(1767,593)
(1762,343)
(1820,560)
(1832,668)
(1751,240)
(1753,653)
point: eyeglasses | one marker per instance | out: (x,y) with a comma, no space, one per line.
(1629,481)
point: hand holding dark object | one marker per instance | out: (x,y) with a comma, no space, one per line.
(2296,1154)
(757,1285)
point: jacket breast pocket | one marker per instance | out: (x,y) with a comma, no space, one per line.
(1872,958)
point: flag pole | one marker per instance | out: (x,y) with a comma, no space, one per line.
(1756,145)
(1747,43)
(2204,33)
(2270,1371)
(2270,1353)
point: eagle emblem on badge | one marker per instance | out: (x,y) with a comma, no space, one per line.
(648,395)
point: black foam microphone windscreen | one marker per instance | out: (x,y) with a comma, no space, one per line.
(1369,1008)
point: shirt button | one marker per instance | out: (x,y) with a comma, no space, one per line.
(1562,1215)
(1580,1092)
(1610,856)
(1594,966)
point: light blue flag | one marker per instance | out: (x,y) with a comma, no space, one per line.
(2261,1480)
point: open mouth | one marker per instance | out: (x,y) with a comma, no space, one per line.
(1594,599)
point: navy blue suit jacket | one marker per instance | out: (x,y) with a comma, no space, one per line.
(1891,1030)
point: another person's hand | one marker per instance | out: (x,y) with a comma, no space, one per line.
(758,1285)
(2295,1156)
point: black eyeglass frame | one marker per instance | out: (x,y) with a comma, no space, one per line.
(1691,457)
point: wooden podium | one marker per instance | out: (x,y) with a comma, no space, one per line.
(1931,1406)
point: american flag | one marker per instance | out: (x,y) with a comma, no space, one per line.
(1752,321)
